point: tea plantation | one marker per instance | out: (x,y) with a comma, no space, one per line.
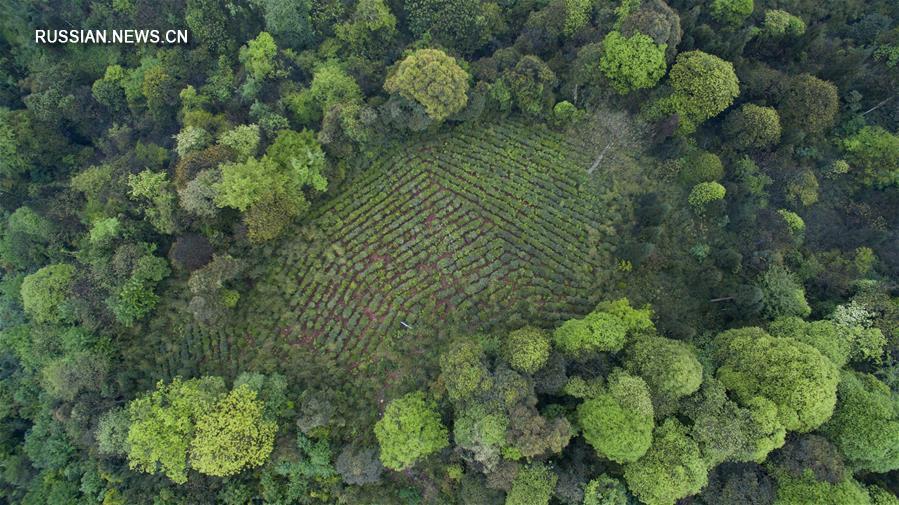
(489,224)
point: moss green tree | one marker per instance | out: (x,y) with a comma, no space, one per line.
(605,490)
(433,79)
(410,430)
(726,431)
(779,23)
(45,293)
(782,294)
(792,489)
(754,127)
(618,422)
(809,104)
(233,435)
(155,189)
(672,469)
(464,370)
(605,329)
(633,62)
(527,349)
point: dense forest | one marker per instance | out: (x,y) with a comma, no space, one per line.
(461,252)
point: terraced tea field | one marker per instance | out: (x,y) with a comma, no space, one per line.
(488,224)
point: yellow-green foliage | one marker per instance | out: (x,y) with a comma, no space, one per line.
(527,349)
(795,376)
(633,62)
(464,370)
(618,422)
(434,80)
(801,490)
(705,193)
(865,424)
(533,485)
(233,435)
(45,293)
(604,329)
(669,367)
(704,85)
(163,424)
(410,430)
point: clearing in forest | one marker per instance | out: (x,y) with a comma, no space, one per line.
(485,226)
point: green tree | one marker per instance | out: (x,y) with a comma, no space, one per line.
(527,349)
(605,490)
(618,422)
(464,370)
(873,154)
(809,104)
(288,21)
(700,166)
(779,23)
(530,83)
(243,139)
(371,29)
(731,12)
(155,188)
(672,469)
(45,293)
(705,193)
(604,329)
(703,84)
(163,424)
(433,79)
(459,24)
(258,56)
(633,62)
(794,376)
(410,430)
(865,424)
(669,367)
(782,294)
(533,485)
(726,431)
(806,489)
(753,127)
(831,339)
(233,435)
(208,21)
